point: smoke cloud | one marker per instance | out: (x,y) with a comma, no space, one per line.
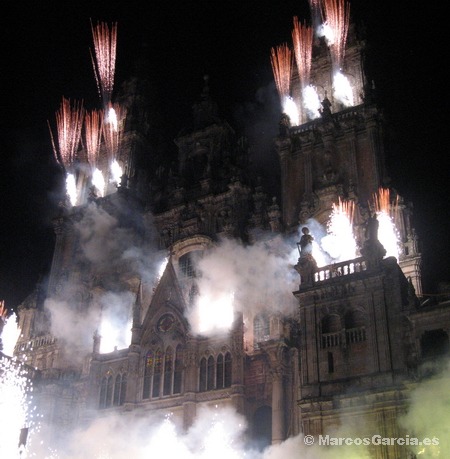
(250,279)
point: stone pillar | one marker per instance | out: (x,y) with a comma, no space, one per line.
(278,420)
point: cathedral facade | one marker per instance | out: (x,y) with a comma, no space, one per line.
(351,346)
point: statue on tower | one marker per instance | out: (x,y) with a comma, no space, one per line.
(306,265)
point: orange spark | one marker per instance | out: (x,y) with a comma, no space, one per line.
(281,59)
(3,311)
(382,203)
(93,127)
(105,45)
(69,121)
(337,16)
(302,37)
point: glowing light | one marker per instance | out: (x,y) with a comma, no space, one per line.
(290,108)
(99,181)
(337,17)
(113,129)
(15,400)
(340,242)
(105,45)
(10,333)
(116,172)
(215,313)
(311,102)
(281,59)
(71,189)
(342,89)
(387,213)
(114,335)
(162,267)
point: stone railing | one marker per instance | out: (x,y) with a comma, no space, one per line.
(35,343)
(331,339)
(340,269)
(355,335)
(343,337)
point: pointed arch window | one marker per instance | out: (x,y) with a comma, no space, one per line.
(163,373)
(228,374)
(210,373)
(178,370)
(157,374)
(148,371)
(203,375)
(112,390)
(120,388)
(168,371)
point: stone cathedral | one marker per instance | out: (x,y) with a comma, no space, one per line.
(355,340)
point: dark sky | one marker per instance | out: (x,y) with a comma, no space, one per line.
(45,50)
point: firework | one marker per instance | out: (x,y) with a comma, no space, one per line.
(15,415)
(93,126)
(104,64)
(337,17)
(387,215)
(281,58)
(113,128)
(340,242)
(69,121)
(302,37)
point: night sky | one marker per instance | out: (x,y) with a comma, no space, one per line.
(45,48)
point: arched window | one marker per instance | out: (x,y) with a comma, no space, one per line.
(354,319)
(148,371)
(163,373)
(120,388)
(123,389)
(168,371)
(109,392)
(117,386)
(227,376)
(220,372)
(178,370)
(203,376)
(331,330)
(331,324)
(103,385)
(157,374)
(355,330)
(261,329)
(211,370)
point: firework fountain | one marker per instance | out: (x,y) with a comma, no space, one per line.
(281,59)
(113,129)
(16,413)
(302,38)
(387,214)
(340,242)
(104,64)
(335,30)
(93,136)
(69,122)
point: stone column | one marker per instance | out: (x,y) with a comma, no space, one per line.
(278,418)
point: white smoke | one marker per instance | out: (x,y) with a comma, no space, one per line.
(252,278)
(119,262)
